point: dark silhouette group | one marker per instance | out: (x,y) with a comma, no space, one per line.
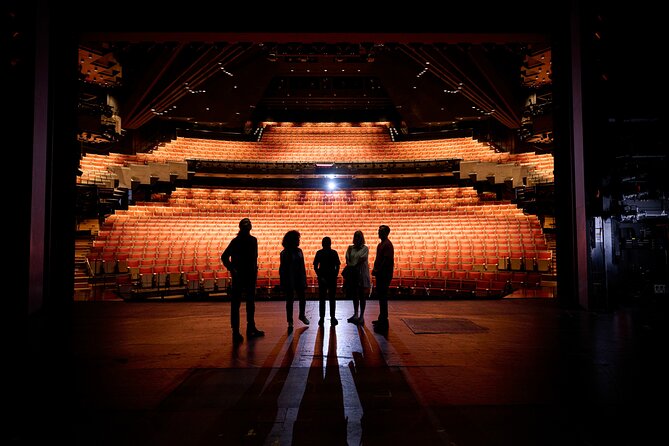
(241,259)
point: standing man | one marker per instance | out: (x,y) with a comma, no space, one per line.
(326,265)
(241,259)
(383,271)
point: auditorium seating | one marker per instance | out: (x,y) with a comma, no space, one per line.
(118,170)
(447,240)
(95,169)
(325,143)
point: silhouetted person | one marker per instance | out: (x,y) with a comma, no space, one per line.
(293,275)
(241,259)
(326,265)
(357,287)
(383,272)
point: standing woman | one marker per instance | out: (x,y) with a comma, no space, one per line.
(293,275)
(360,282)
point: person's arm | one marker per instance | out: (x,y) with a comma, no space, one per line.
(317,264)
(225,257)
(337,263)
(284,270)
(364,253)
(302,269)
(254,246)
(282,263)
(386,259)
(381,259)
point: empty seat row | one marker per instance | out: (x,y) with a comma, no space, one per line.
(324,144)
(457,246)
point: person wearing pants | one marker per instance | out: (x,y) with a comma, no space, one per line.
(293,276)
(326,265)
(241,259)
(383,272)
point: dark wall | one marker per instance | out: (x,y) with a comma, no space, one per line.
(42,62)
(626,184)
(18,37)
(39,206)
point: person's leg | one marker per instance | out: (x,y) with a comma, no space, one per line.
(302,303)
(381,324)
(322,295)
(382,293)
(352,293)
(235,304)
(332,291)
(251,329)
(363,303)
(289,307)
(250,292)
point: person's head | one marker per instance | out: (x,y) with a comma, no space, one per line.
(245,226)
(383,232)
(291,239)
(358,238)
(327,242)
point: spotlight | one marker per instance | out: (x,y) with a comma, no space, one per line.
(331,185)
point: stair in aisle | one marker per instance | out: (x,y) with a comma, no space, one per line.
(82,287)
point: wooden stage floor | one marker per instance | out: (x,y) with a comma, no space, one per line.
(500,372)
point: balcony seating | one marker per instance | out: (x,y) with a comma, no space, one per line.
(284,144)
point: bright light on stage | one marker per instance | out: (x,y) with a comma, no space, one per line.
(332,185)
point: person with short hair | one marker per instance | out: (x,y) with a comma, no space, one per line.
(384,264)
(293,276)
(326,265)
(241,259)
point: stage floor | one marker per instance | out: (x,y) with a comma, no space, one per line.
(500,372)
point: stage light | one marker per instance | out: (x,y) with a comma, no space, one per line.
(332,185)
